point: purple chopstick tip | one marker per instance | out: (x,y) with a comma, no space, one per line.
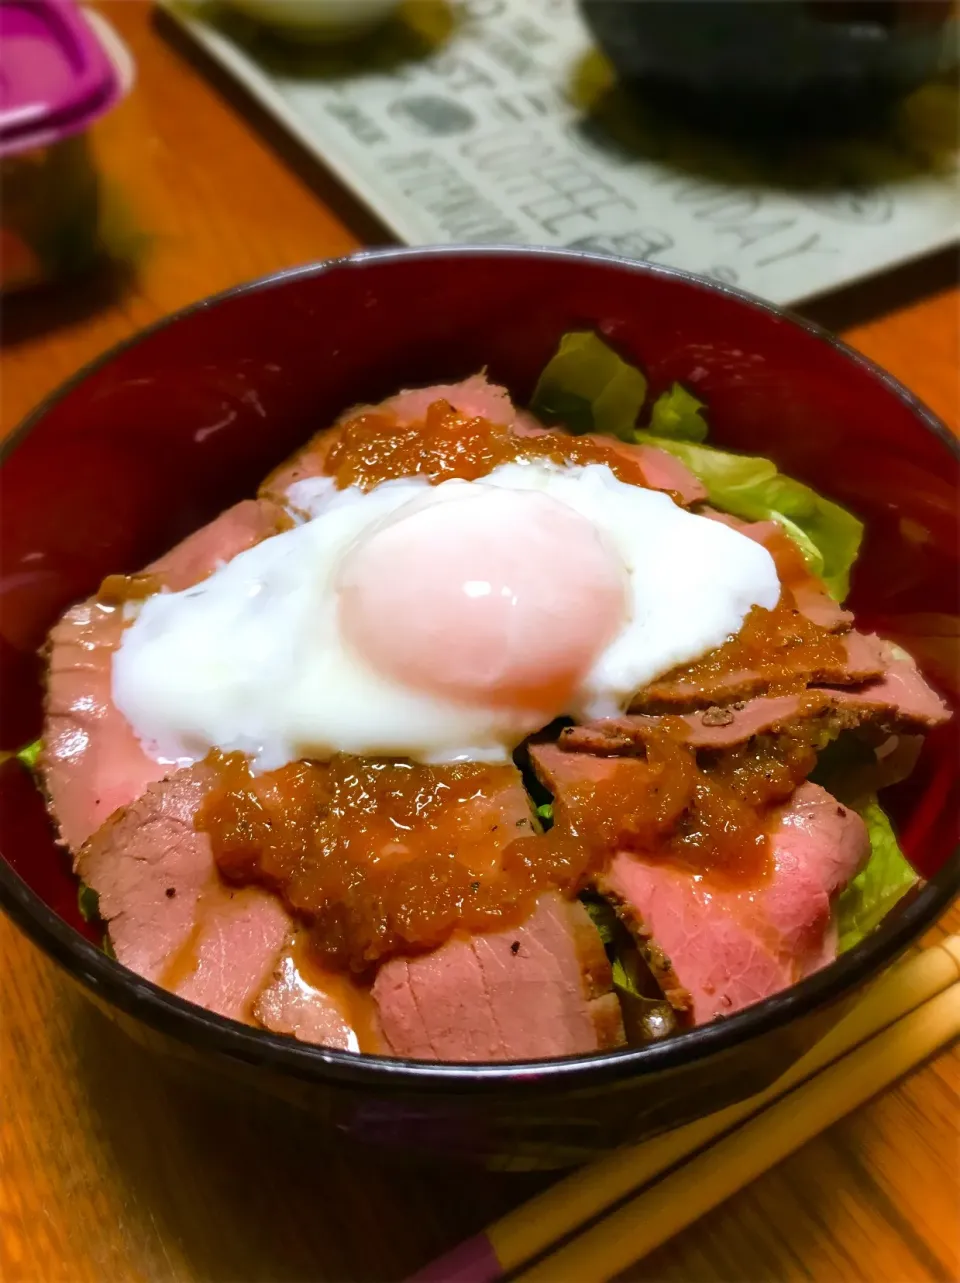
(474,1261)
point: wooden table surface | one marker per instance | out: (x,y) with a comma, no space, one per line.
(111,1172)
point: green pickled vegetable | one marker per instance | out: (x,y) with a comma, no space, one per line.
(631,975)
(647,1016)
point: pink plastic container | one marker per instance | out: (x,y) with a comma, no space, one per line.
(60,70)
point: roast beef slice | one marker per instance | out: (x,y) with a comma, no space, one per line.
(92,762)
(477,398)
(540,989)
(169,916)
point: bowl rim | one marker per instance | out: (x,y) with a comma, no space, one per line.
(204,1031)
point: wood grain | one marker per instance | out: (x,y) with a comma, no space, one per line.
(110,1170)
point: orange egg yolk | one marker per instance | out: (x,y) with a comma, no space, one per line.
(495,597)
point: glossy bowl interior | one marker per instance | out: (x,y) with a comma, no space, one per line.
(164,432)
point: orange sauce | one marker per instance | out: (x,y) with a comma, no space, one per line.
(377,857)
(707,811)
(781,646)
(117,589)
(352,1001)
(374,447)
(381,857)
(185,959)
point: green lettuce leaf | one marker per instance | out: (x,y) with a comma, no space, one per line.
(751,487)
(629,970)
(603,916)
(647,1015)
(28,755)
(544,814)
(625,976)
(886,878)
(588,388)
(88,902)
(678,415)
(848,768)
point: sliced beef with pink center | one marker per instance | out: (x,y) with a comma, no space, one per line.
(149,866)
(901,692)
(809,593)
(537,990)
(474,397)
(661,470)
(733,948)
(730,947)
(293,1004)
(899,700)
(169,916)
(243,526)
(92,762)
(477,398)
(863,658)
(238,936)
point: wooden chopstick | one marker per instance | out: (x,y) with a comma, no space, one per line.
(637,1227)
(560,1210)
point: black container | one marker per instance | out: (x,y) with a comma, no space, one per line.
(761,66)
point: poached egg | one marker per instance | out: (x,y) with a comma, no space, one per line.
(437,623)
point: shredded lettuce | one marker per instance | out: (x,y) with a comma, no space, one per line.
(588,387)
(629,970)
(625,978)
(28,755)
(544,814)
(751,487)
(645,1017)
(887,877)
(603,916)
(88,902)
(850,770)
(678,414)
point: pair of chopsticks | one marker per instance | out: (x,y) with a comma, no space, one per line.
(905,1016)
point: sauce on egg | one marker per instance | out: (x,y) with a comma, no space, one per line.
(374,447)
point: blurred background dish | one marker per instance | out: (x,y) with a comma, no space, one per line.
(504,123)
(317,19)
(59,72)
(762,67)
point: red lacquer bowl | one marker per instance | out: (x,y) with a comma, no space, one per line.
(165,431)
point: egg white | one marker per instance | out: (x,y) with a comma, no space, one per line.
(251,659)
